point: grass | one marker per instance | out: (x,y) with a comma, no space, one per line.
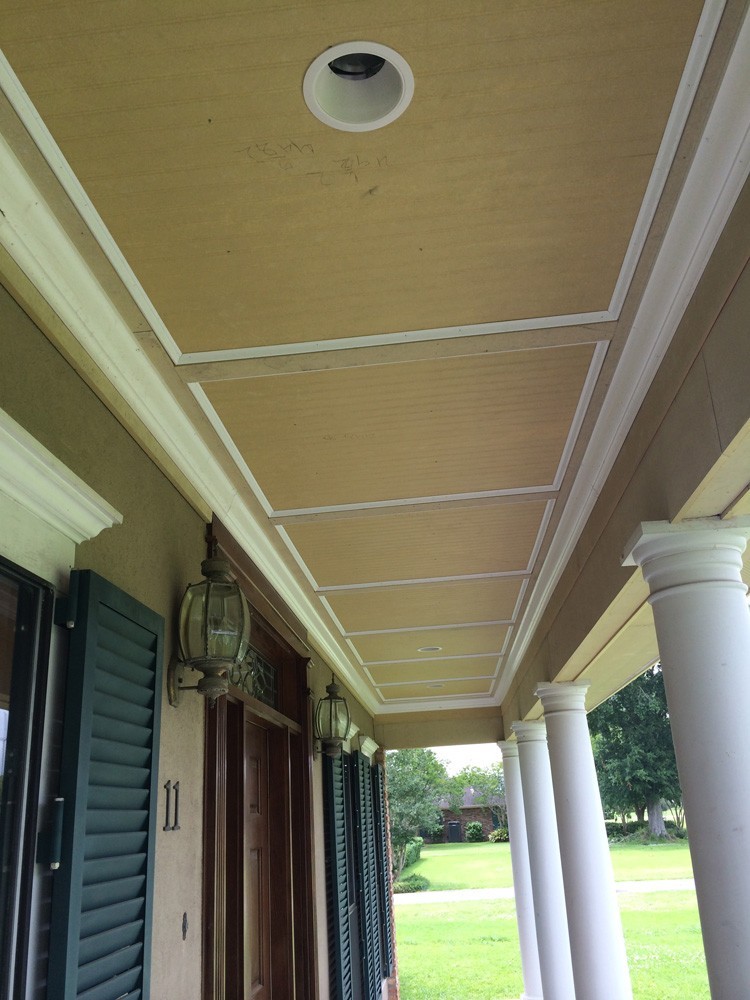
(471,866)
(470,950)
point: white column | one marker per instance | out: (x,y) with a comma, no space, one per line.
(703,630)
(544,857)
(600,965)
(519,858)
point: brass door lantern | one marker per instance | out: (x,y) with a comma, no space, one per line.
(332,721)
(214,632)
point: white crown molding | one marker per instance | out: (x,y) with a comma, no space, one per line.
(713,184)
(40,484)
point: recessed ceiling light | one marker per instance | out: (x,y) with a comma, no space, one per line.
(430,649)
(358,86)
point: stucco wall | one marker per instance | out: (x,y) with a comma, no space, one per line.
(153,555)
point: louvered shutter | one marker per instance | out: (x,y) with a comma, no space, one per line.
(102,898)
(337,817)
(367,871)
(384,875)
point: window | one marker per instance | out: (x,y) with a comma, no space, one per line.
(25,623)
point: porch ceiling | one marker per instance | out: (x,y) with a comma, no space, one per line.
(402,338)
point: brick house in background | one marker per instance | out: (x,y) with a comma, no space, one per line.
(489,815)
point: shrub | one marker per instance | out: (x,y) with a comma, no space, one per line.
(474,832)
(499,835)
(412,883)
(413,851)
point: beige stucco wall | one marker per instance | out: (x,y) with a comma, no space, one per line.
(153,555)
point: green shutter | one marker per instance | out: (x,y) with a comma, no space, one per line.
(367,872)
(337,818)
(102,897)
(384,875)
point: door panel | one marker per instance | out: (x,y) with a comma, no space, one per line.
(256,853)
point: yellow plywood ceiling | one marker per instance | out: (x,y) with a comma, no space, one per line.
(429,428)
(420,545)
(426,604)
(405,491)
(450,642)
(249,222)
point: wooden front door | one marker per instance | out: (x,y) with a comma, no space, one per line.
(256,862)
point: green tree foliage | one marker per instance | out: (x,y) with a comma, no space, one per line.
(488,784)
(416,781)
(633,751)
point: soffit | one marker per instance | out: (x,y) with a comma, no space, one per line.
(412,491)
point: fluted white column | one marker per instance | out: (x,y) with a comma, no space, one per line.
(703,630)
(597,945)
(544,857)
(519,859)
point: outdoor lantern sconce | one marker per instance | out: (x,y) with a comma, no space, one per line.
(332,721)
(214,632)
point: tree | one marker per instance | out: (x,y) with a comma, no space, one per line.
(488,785)
(416,781)
(633,751)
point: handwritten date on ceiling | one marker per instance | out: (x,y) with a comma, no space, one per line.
(302,159)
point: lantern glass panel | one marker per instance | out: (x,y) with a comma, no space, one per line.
(214,623)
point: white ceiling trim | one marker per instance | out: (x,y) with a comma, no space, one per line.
(336,587)
(435,683)
(515,491)
(696,62)
(597,360)
(429,628)
(33,237)
(713,184)
(405,337)
(446,702)
(432,659)
(42,485)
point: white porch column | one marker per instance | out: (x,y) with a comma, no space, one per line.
(544,857)
(519,858)
(600,965)
(703,631)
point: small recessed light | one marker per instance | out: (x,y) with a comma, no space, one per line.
(430,649)
(358,86)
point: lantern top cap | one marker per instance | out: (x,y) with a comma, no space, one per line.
(217,570)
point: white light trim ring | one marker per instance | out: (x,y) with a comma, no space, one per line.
(358,105)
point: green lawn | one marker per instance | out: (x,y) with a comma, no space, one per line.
(472,866)
(470,950)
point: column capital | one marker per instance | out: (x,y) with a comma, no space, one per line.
(704,551)
(530,732)
(563,696)
(508,748)
(655,538)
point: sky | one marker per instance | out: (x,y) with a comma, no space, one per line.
(476,755)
